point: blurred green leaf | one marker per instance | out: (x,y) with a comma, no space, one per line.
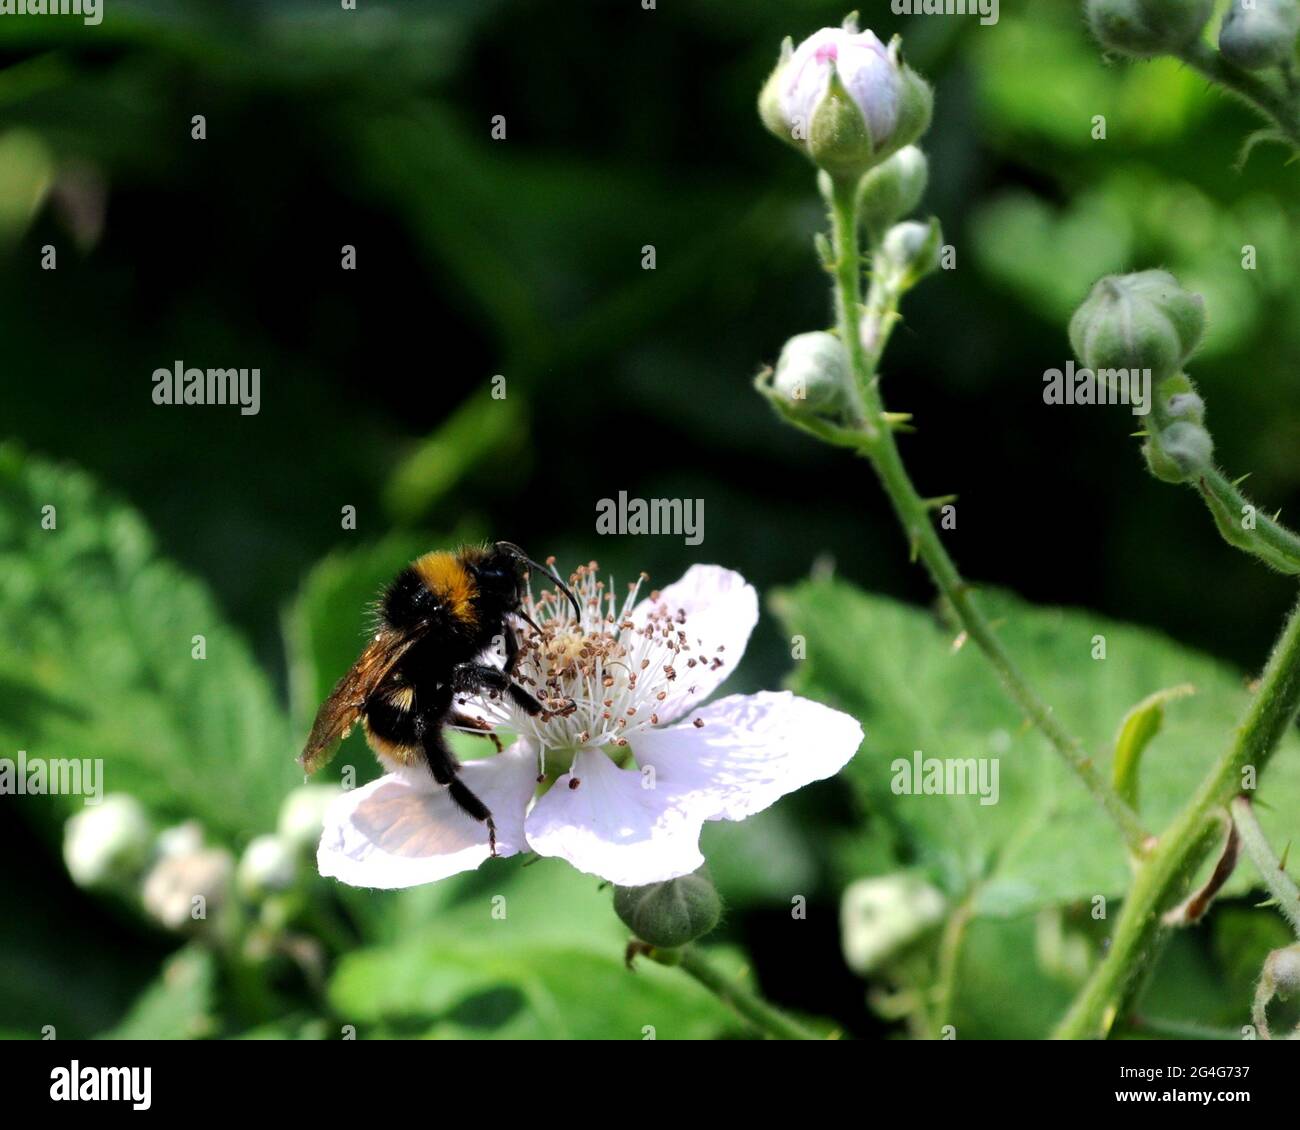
(99,633)
(537,954)
(1045,841)
(179,1005)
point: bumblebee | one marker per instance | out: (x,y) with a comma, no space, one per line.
(435,622)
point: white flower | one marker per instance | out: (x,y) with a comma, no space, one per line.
(621,772)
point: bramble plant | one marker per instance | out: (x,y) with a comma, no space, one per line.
(851,106)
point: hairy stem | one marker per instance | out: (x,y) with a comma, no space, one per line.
(1278,107)
(767,1019)
(1280,885)
(1165,875)
(878,445)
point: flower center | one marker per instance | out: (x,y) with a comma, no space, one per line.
(601,677)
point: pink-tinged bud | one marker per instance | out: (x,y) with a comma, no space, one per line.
(845,99)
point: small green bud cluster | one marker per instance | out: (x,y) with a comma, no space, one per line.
(1146,321)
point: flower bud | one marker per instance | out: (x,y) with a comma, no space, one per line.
(1138,321)
(1182,452)
(893,189)
(107,844)
(269,865)
(812,372)
(845,99)
(879,917)
(670,914)
(302,815)
(185,887)
(910,251)
(1186,406)
(1147,27)
(1282,969)
(1259,33)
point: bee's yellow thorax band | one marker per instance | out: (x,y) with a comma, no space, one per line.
(449,580)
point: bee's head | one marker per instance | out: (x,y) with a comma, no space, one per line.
(503,574)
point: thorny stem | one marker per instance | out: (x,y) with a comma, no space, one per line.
(1280,885)
(1166,873)
(763,1016)
(876,443)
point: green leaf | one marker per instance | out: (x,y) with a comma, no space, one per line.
(1045,842)
(538,953)
(1140,725)
(178,1005)
(97,663)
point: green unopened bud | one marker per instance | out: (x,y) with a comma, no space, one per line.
(839,140)
(1259,33)
(1180,453)
(1186,406)
(893,189)
(1282,968)
(1138,321)
(910,251)
(880,917)
(269,865)
(107,844)
(812,372)
(1147,27)
(670,914)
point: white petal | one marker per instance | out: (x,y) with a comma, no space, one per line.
(721,610)
(612,826)
(395,832)
(751,750)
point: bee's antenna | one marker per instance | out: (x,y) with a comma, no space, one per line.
(545,570)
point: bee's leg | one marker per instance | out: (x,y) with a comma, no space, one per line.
(472,677)
(445,768)
(512,650)
(477,727)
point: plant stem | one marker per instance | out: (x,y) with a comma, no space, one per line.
(1165,874)
(1280,885)
(1278,107)
(878,445)
(768,1020)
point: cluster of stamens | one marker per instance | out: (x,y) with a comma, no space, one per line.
(602,676)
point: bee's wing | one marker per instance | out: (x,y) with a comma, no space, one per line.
(339,713)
